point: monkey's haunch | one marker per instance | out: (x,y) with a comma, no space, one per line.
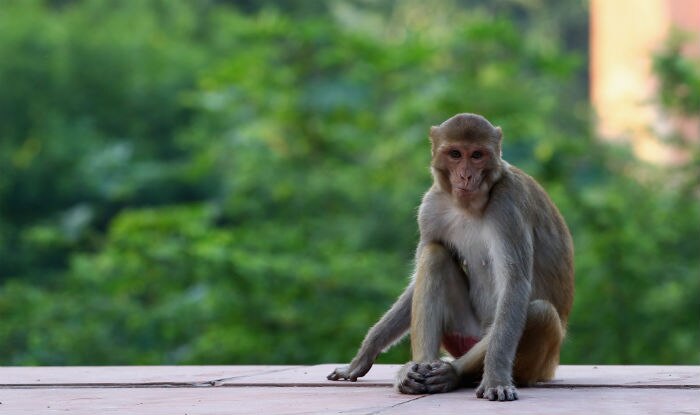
(458,345)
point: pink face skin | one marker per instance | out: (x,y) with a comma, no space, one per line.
(467,164)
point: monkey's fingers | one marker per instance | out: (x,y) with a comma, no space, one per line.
(499,393)
(413,381)
(424,368)
(350,372)
(335,376)
(442,378)
(440,367)
(506,393)
(416,377)
(411,386)
(340,373)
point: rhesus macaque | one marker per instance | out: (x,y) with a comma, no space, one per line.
(493,281)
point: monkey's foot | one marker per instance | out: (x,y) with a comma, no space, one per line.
(497,392)
(419,378)
(350,372)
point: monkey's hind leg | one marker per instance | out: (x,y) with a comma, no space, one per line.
(439,304)
(538,351)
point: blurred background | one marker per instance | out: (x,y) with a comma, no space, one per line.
(227,182)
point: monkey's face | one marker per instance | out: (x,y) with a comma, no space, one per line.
(468,167)
(466,162)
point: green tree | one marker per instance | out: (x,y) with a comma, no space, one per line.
(222,185)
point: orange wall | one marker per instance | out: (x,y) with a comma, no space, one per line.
(624,34)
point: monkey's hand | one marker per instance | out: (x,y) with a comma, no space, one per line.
(354,370)
(440,377)
(411,379)
(434,377)
(496,390)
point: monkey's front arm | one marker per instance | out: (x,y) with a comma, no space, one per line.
(389,329)
(512,268)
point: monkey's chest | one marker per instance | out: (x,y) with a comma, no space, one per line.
(468,237)
(482,287)
(472,253)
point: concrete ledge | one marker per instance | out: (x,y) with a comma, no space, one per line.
(304,389)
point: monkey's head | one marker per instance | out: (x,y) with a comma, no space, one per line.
(466,161)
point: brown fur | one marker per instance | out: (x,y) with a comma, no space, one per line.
(494,261)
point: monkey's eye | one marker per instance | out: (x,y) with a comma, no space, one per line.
(455,154)
(477,155)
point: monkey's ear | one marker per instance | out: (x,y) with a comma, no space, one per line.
(434,139)
(499,139)
(434,132)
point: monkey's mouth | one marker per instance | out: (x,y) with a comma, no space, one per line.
(465,191)
(469,188)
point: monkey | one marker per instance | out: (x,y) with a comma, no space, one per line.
(493,280)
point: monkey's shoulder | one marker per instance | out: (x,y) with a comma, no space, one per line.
(519,198)
(514,181)
(516,192)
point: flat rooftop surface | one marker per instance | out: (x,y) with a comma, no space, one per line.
(169,390)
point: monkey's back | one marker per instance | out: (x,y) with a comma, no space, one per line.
(553,260)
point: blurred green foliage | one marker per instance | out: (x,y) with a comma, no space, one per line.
(232,182)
